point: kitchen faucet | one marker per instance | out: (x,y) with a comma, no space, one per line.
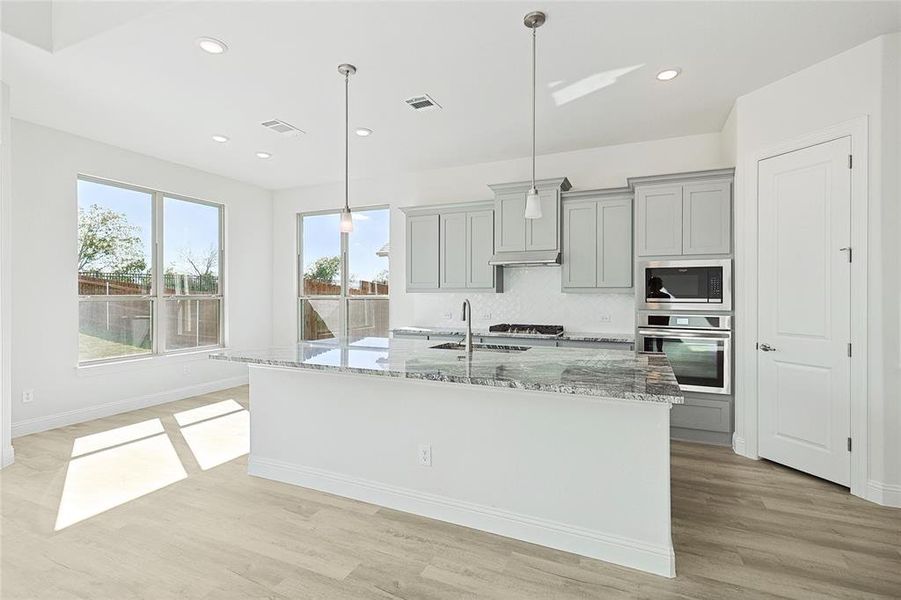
(467,317)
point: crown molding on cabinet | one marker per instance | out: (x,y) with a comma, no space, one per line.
(693,176)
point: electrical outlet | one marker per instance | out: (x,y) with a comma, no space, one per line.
(186,369)
(425,455)
(27,396)
(448,316)
(604,318)
(485,316)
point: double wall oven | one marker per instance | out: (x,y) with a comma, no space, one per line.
(684,311)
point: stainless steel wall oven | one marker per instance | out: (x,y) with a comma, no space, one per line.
(699,348)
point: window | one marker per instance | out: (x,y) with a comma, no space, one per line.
(149,272)
(343,289)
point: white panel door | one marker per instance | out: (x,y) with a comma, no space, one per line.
(804,310)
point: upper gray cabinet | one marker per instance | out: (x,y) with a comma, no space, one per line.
(684,215)
(707,217)
(479,248)
(448,248)
(597,240)
(452,250)
(509,229)
(513,233)
(422,252)
(659,220)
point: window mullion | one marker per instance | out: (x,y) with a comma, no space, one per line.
(157,303)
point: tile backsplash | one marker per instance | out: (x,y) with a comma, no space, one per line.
(531,295)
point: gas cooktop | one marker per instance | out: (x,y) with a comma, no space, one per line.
(553,330)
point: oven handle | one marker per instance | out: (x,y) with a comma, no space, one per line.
(686,333)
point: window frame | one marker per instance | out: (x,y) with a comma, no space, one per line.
(157,296)
(344,298)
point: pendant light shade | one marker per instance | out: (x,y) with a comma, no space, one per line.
(533,205)
(347,222)
(533,21)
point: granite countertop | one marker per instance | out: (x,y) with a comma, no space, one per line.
(572,336)
(615,374)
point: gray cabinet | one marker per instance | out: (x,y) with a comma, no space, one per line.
(597,241)
(544,233)
(448,248)
(422,252)
(689,214)
(580,236)
(707,218)
(659,220)
(479,248)
(452,250)
(512,231)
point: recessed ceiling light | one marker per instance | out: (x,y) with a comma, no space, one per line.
(263,155)
(363,131)
(211,45)
(220,138)
(668,74)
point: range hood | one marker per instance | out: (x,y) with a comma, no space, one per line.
(541,258)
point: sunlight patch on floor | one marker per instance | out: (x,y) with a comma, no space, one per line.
(207,411)
(219,440)
(114,437)
(103,480)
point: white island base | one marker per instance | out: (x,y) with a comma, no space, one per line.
(577,473)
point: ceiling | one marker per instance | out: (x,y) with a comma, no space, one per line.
(135,78)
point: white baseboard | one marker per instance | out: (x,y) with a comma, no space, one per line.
(7,457)
(740,447)
(886,494)
(88,413)
(594,544)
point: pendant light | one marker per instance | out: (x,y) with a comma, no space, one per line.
(347,222)
(533,21)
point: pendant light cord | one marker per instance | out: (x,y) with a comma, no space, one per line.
(533,107)
(346,142)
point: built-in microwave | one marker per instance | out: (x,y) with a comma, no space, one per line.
(685,285)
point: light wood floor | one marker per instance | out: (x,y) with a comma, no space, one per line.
(742,529)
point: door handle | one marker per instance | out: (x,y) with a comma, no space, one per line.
(767,348)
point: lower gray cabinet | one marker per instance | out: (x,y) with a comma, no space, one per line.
(597,241)
(703,414)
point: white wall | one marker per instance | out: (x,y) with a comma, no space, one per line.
(46,163)
(860,81)
(531,294)
(6,449)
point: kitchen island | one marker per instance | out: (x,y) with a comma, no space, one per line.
(563,447)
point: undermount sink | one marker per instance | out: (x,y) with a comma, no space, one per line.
(480,347)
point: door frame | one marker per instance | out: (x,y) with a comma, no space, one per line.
(745,438)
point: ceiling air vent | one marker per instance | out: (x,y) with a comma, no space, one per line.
(422,102)
(281,127)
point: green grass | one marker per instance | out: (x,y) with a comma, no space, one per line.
(95,348)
